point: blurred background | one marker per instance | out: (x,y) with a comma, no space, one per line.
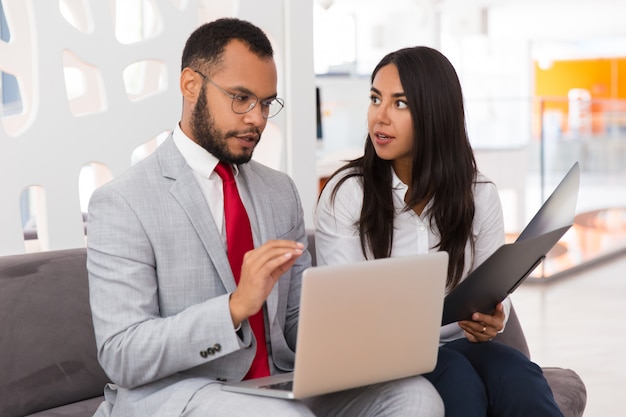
(544,83)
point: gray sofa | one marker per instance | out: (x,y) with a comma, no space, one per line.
(48,363)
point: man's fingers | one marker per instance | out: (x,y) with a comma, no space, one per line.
(260,270)
(265,260)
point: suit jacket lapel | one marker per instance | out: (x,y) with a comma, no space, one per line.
(187,192)
(265,218)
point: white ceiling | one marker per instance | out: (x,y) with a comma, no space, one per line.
(569,28)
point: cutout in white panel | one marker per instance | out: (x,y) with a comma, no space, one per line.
(142,151)
(19,86)
(77,14)
(11,102)
(34,218)
(145,78)
(92,175)
(136,20)
(84,86)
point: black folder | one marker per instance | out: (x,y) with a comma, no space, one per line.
(499,275)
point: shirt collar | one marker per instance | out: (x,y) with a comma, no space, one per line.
(400,189)
(199,159)
(397,185)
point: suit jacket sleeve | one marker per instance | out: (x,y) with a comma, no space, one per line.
(137,343)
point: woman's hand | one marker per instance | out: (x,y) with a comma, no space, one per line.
(484,327)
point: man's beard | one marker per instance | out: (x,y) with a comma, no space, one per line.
(210,138)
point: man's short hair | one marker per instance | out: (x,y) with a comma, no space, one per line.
(206,44)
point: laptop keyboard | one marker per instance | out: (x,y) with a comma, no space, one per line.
(283,386)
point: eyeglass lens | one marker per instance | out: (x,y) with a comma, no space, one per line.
(245,103)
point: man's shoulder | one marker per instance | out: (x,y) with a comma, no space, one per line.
(259,168)
(165,161)
(255,171)
(139,175)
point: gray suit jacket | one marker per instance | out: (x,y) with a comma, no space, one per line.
(160,280)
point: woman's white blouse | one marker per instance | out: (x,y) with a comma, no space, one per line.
(337,235)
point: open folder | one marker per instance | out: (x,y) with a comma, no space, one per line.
(497,277)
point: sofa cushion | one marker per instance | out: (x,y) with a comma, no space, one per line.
(85,408)
(46,333)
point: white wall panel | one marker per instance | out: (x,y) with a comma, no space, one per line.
(58,133)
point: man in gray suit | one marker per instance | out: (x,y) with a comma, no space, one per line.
(171,322)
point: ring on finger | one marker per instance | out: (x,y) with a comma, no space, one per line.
(484,329)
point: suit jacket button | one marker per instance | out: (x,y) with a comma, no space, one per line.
(204,353)
(217,347)
(220,379)
(210,351)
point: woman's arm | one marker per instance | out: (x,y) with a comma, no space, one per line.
(488,233)
(336,233)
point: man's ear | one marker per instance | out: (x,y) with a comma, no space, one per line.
(190,84)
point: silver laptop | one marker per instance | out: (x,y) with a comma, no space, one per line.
(362,323)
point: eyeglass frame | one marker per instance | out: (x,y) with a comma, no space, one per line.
(253,103)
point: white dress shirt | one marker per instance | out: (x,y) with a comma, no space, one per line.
(337,235)
(203,164)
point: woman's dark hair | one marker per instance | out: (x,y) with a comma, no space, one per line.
(443,168)
(207,43)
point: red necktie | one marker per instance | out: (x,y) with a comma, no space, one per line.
(238,242)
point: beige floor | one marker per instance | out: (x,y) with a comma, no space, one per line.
(579,322)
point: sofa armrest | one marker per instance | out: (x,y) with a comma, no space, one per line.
(49,356)
(569,390)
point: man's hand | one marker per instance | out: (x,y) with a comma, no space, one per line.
(260,271)
(484,327)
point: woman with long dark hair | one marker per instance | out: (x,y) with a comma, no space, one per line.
(416,189)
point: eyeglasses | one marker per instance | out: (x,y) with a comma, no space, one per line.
(243,103)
